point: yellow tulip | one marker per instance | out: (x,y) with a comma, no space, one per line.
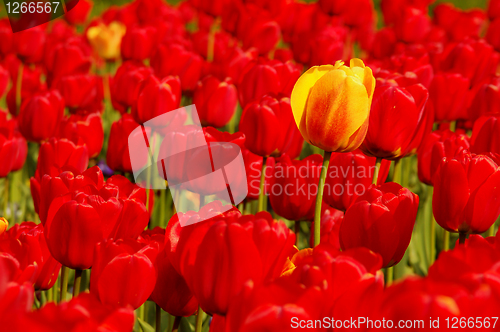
(331,105)
(106,39)
(3,225)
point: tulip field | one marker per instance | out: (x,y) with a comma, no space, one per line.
(249,165)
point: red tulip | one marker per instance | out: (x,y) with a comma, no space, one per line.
(82,313)
(215,101)
(331,219)
(30,85)
(258,245)
(7,37)
(29,44)
(132,262)
(466,192)
(88,128)
(138,43)
(253,170)
(435,146)
(213,8)
(126,84)
(264,77)
(81,93)
(412,25)
(331,7)
(493,36)
(79,13)
(486,135)
(40,116)
(16,290)
(459,24)
(449,94)
(118,155)
(27,244)
(156,98)
(13,147)
(381,220)
(171,292)
(4,80)
(486,100)
(175,60)
(270,129)
(70,56)
(293,189)
(396,118)
(349,176)
(87,208)
(493,9)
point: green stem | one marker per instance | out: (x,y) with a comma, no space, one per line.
(377,171)
(389,276)
(453,125)
(43,298)
(19,85)
(262,183)
(64,283)
(433,228)
(199,320)
(211,40)
(177,322)
(77,282)
(50,294)
(396,176)
(158,318)
(446,240)
(319,198)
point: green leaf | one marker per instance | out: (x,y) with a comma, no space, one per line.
(145,326)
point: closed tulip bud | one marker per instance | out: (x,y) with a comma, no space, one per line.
(269,128)
(330,41)
(466,193)
(215,101)
(87,128)
(459,24)
(285,194)
(132,262)
(436,146)
(40,116)
(30,85)
(486,135)
(118,155)
(26,243)
(156,98)
(331,7)
(138,43)
(79,13)
(413,25)
(29,44)
(126,84)
(3,225)
(71,57)
(449,95)
(106,39)
(349,176)
(261,33)
(81,93)
(175,60)
(396,118)
(486,100)
(331,105)
(381,220)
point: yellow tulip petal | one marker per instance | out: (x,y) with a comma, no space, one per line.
(300,91)
(337,107)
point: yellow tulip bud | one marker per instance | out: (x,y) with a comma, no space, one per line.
(331,105)
(106,39)
(3,225)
